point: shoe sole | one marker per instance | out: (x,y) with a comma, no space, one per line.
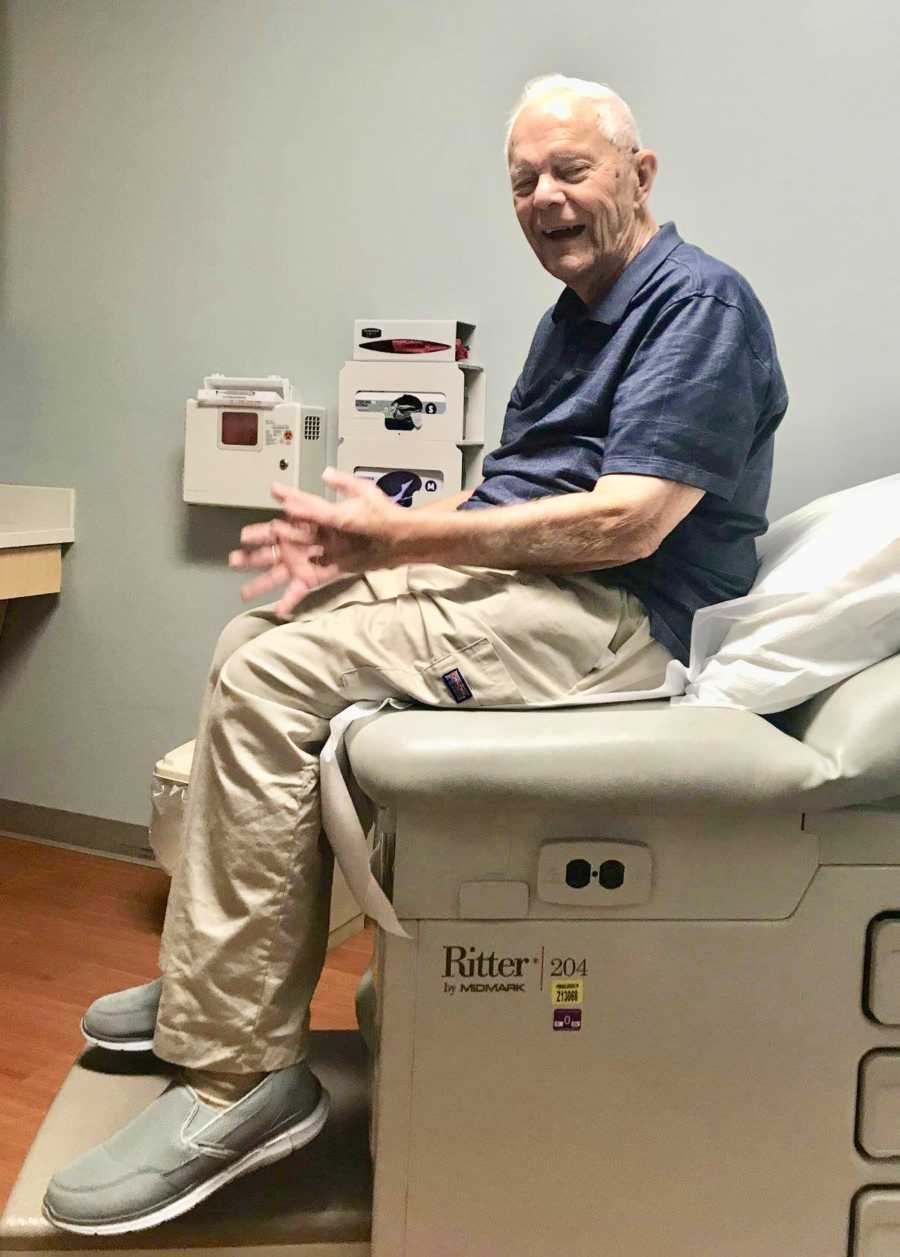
(118,1045)
(282,1145)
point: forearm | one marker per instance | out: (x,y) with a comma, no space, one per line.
(569,532)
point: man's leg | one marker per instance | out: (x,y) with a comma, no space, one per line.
(247,925)
(203,879)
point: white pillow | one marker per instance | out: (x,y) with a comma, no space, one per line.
(825,605)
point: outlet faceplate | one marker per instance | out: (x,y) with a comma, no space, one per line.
(595,873)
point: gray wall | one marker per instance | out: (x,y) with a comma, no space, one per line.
(192,186)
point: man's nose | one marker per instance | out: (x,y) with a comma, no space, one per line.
(547,192)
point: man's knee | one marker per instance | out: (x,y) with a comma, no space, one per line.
(236,634)
(269,688)
(239,668)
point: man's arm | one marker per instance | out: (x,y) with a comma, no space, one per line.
(625,518)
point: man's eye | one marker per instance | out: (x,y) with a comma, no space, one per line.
(522,187)
(571,174)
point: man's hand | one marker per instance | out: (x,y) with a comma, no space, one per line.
(319,540)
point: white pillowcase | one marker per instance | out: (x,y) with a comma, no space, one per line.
(825,605)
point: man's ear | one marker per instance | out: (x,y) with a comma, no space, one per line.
(646,167)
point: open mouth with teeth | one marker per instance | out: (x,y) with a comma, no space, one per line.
(562,233)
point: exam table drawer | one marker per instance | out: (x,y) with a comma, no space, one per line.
(876,1231)
(883,994)
(879,1105)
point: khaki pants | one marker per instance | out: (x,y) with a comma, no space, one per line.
(247,923)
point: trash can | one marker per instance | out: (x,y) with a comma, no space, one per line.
(168,793)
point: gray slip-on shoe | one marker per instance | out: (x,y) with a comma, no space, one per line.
(124,1021)
(180,1150)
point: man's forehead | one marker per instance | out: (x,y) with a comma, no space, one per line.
(555,124)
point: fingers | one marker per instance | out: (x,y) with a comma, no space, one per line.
(298,505)
(255,558)
(298,589)
(260,543)
(264,584)
(298,552)
(276,530)
(297,586)
(353,486)
(269,557)
(296,534)
(305,507)
(291,599)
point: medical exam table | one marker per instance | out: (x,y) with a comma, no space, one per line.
(649,1005)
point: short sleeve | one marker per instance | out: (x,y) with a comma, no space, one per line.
(688,406)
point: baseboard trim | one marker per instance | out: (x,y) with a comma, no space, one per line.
(73,829)
(348,930)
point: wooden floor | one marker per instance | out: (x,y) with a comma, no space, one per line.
(76,926)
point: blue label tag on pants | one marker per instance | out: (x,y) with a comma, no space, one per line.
(456,684)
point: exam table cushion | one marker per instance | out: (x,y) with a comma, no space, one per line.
(825,604)
(840,748)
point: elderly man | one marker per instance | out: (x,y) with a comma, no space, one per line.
(630,482)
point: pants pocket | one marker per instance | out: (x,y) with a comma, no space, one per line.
(638,664)
(471,676)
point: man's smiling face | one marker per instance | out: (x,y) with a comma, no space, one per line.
(577,196)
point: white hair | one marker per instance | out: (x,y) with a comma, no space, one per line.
(614,118)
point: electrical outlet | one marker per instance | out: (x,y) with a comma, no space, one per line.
(595,873)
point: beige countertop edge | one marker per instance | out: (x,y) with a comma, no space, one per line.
(14,538)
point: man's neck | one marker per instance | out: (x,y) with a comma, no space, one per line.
(596,286)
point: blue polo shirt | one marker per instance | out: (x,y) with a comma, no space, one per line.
(672,374)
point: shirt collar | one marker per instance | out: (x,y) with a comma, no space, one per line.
(611,307)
